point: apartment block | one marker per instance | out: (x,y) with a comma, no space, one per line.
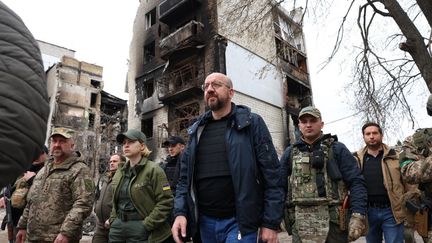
(77,101)
(177,43)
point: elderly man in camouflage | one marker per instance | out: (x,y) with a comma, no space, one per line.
(319,169)
(61,196)
(416,168)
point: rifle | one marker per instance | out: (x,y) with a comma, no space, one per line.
(9,220)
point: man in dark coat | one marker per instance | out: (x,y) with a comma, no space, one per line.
(24,105)
(103,204)
(229,173)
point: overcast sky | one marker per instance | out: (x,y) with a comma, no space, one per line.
(100,32)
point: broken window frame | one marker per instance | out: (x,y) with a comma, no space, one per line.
(147,127)
(91,120)
(149,52)
(93,100)
(148,88)
(95,83)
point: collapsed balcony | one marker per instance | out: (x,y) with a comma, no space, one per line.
(181,82)
(293,61)
(189,35)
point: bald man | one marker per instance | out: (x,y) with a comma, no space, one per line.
(229,179)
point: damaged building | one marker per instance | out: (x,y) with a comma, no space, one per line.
(77,101)
(177,43)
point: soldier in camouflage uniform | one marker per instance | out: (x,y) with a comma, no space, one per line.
(416,168)
(61,196)
(319,170)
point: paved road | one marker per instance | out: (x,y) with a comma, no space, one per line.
(283,237)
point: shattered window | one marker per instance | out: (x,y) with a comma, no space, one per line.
(148,88)
(290,33)
(147,127)
(91,120)
(93,100)
(149,52)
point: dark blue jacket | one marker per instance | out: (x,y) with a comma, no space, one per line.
(254,167)
(347,165)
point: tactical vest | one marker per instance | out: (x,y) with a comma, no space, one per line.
(310,186)
(422,140)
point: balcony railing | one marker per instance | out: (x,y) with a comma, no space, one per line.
(190,34)
(178,82)
(293,61)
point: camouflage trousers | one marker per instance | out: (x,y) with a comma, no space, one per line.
(312,224)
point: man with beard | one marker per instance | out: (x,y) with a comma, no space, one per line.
(103,198)
(61,196)
(229,174)
(380,167)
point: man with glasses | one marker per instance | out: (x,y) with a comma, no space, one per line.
(229,177)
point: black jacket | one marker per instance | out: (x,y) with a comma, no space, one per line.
(254,167)
(103,203)
(172,170)
(347,165)
(23,97)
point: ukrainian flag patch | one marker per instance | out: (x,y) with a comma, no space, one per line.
(166,187)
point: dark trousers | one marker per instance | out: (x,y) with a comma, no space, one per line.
(101,234)
(336,235)
(127,231)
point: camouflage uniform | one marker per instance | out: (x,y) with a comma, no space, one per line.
(58,202)
(416,165)
(313,216)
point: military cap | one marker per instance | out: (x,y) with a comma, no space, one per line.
(63,131)
(310,110)
(173,140)
(429,105)
(131,134)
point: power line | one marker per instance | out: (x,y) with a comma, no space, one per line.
(343,118)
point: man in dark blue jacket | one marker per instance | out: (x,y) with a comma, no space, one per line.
(320,170)
(230,175)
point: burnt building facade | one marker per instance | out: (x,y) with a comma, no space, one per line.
(77,101)
(177,43)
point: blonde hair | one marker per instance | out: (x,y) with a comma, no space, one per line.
(145,152)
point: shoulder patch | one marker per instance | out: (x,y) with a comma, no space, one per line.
(166,187)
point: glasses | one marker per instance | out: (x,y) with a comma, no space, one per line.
(215,85)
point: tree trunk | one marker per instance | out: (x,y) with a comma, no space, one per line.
(416,46)
(426,8)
